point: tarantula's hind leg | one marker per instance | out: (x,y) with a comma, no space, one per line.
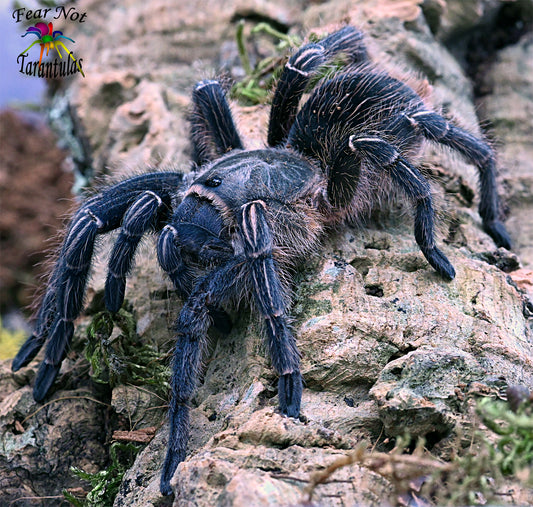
(412,182)
(271,301)
(299,70)
(477,152)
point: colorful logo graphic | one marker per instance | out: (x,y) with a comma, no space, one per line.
(49,39)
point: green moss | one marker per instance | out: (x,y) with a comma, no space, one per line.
(305,304)
(309,308)
(105,483)
(505,452)
(477,466)
(513,451)
(117,356)
(121,357)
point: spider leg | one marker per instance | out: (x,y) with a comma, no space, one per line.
(299,70)
(272,302)
(62,303)
(63,300)
(194,321)
(139,218)
(38,41)
(192,326)
(213,132)
(436,128)
(41,55)
(381,154)
(69,53)
(170,259)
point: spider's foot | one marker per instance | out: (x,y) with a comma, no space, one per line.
(115,290)
(497,231)
(45,378)
(59,339)
(440,262)
(172,461)
(290,394)
(27,352)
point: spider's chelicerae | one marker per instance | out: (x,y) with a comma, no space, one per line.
(243,219)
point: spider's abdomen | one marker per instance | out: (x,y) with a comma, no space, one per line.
(361,100)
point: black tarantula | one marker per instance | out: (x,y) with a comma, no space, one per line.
(244,218)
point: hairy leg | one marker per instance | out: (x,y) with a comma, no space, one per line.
(139,219)
(257,264)
(182,234)
(192,326)
(272,302)
(477,152)
(213,132)
(63,300)
(381,154)
(299,70)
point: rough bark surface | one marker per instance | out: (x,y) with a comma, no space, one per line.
(387,346)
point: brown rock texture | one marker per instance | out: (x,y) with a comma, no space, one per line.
(387,346)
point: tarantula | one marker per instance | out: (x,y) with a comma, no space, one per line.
(243,219)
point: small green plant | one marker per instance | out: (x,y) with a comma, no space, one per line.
(513,450)
(117,356)
(121,358)
(505,452)
(105,483)
(471,476)
(259,79)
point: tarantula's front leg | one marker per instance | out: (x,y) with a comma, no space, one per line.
(437,129)
(170,259)
(194,321)
(299,70)
(381,154)
(139,203)
(137,221)
(272,301)
(192,326)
